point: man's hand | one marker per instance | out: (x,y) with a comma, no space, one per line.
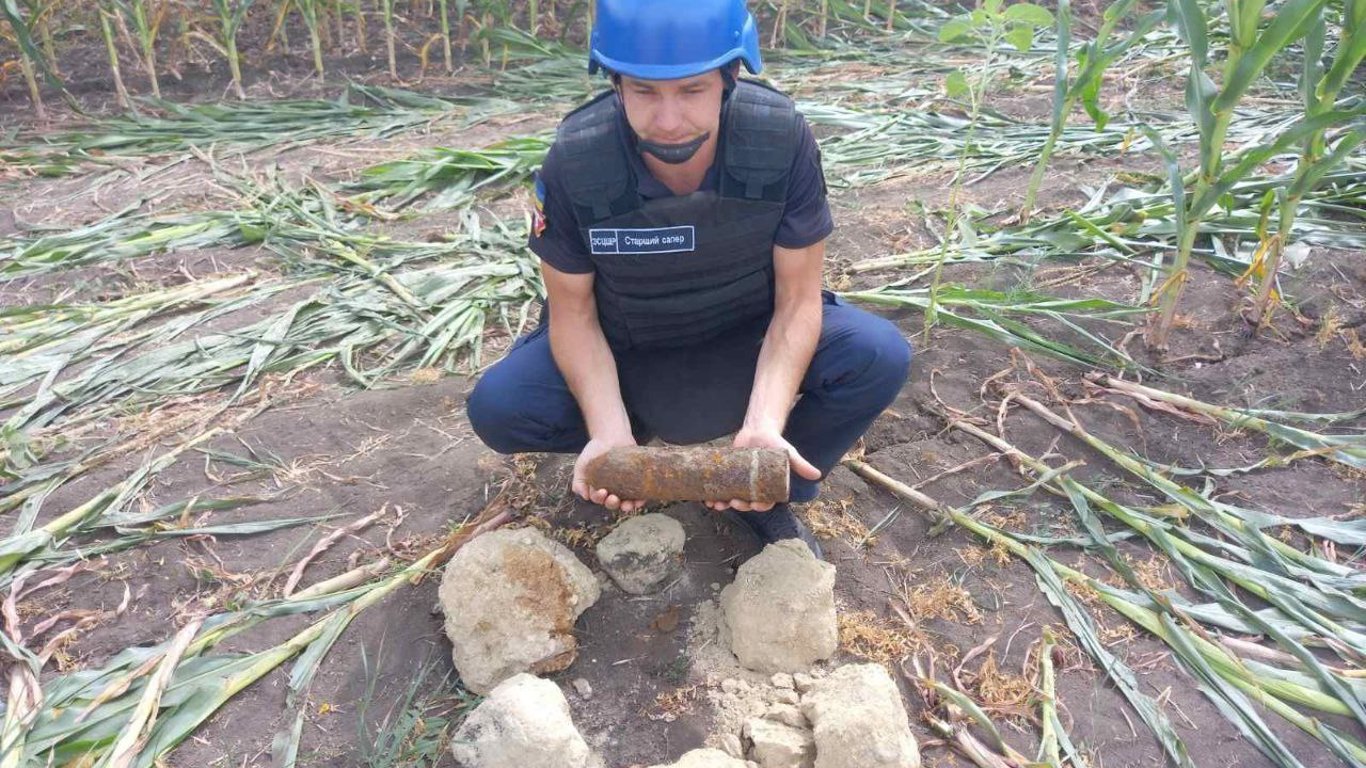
(595,448)
(759,437)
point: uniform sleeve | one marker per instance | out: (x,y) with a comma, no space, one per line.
(806,218)
(555,234)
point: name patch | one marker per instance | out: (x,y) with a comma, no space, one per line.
(663,240)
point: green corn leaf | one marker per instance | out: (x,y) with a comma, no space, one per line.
(1252,158)
(1189,19)
(1351,50)
(1311,71)
(1175,179)
(1308,179)
(1292,20)
(15,17)
(1245,16)
(1083,628)
(975,712)
(1232,702)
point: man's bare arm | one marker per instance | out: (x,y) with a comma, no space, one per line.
(586,362)
(783,359)
(791,338)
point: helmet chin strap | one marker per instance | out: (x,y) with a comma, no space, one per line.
(673,154)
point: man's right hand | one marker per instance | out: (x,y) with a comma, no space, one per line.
(595,448)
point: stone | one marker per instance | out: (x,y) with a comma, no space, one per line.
(730,743)
(774,745)
(583,688)
(732,685)
(786,714)
(780,610)
(786,697)
(523,723)
(781,680)
(803,682)
(859,720)
(511,598)
(706,758)
(643,554)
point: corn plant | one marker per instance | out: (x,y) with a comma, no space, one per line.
(250,127)
(106,14)
(42,12)
(31,60)
(387,11)
(310,10)
(1231,682)
(451,176)
(1319,90)
(446,31)
(231,14)
(994,25)
(1092,61)
(1250,50)
(1000,316)
(146,19)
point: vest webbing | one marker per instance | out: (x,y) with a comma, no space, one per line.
(665,299)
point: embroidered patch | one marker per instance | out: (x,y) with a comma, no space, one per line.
(663,240)
(538,208)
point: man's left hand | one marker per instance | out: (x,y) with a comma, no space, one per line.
(753,437)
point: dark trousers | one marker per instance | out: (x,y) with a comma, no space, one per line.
(691,395)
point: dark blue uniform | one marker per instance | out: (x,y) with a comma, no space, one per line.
(700,392)
(806,217)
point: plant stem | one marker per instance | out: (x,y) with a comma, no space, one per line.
(107,30)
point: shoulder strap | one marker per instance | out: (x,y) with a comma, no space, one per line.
(597,172)
(759,125)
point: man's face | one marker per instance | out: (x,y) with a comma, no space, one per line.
(673,111)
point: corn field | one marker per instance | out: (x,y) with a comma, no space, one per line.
(251,253)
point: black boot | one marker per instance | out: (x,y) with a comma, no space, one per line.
(775,525)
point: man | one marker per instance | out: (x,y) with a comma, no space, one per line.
(681,224)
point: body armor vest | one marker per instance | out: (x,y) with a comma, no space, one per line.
(681,270)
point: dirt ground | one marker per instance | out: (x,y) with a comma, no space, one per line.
(407,448)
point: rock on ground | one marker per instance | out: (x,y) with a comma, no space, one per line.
(780,610)
(707,758)
(775,745)
(524,723)
(642,554)
(511,598)
(859,720)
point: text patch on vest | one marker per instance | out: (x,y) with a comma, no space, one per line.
(660,240)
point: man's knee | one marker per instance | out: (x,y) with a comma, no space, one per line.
(878,359)
(493,415)
(891,353)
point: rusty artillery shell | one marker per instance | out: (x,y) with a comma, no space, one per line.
(756,475)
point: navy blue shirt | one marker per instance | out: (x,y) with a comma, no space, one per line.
(555,237)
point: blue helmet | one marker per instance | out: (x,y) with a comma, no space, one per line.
(668,39)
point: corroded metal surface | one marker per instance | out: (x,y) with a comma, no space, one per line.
(757,475)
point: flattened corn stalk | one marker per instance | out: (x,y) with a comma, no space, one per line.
(1224,678)
(360,110)
(83,713)
(1347,449)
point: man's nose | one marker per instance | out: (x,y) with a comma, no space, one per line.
(669,117)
